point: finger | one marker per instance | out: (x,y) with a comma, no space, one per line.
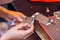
(22,15)
(8,19)
(19,19)
(30,30)
(15,15)
(21,25)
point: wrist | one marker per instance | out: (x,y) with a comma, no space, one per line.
(4,37)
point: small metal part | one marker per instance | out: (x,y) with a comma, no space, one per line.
(57,14)
(50,22)
(53,23)
(41,18)
(47,9)
(13,22)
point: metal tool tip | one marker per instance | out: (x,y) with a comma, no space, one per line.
(36,13)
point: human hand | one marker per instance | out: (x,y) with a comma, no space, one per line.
(9,15)
(17,32)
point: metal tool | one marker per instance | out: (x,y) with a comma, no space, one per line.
(43,19)
(57,14)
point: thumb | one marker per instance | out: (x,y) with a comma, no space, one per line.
(30,30)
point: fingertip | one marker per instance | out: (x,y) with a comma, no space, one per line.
(20,19)
(32,27)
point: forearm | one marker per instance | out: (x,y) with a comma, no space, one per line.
(9,12)
(5,36)
(3,11)
(10,39)
(2,38)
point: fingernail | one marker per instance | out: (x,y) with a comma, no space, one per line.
(29,25)
(20,20)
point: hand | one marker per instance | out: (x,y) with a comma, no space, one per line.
(14,33)
(9,15)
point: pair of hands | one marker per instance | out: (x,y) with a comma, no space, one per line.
(14,33)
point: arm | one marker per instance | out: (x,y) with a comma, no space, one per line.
(5,13)
(10,12)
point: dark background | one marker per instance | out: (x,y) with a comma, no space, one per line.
(29,8)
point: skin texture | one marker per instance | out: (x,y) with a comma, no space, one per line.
(14,33)
(9,15)
(6,1)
